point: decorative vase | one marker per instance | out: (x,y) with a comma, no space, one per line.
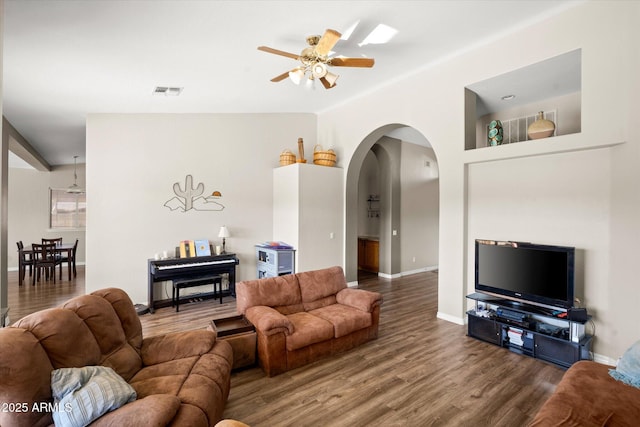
(495,133)
(541,128)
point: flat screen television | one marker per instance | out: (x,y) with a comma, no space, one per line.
(525,272)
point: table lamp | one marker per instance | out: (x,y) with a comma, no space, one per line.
(224,233)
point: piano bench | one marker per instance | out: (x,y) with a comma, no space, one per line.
(189,283)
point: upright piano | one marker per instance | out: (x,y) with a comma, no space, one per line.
(191,268)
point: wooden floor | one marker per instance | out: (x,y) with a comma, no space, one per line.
(26,299)
(421,371)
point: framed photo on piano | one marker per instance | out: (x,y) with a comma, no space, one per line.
(187,249)
(202,248)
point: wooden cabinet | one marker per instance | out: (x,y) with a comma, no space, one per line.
(368,254)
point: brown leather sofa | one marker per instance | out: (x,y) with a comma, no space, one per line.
(302,317)
(180,378)
(588,396)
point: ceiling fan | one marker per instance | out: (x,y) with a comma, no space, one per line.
(315,60)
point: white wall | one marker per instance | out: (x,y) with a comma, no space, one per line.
(321,220)
(535,200)
(133,162)
(308,213)
(432,102)
(419,208)
(28,215)
(388,152)
(286,206)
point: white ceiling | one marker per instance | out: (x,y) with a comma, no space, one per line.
(546,79)
(65,59)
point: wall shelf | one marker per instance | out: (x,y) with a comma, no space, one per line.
(540,147)
(553,85)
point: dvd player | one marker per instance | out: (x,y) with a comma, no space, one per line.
(511,314)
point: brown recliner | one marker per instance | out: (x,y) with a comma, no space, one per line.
(181,378)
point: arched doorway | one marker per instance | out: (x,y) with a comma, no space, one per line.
(408,201)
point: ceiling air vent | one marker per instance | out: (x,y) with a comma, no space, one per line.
(167,90)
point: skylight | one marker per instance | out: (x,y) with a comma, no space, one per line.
(381,34)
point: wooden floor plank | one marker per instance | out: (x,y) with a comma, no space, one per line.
(421,371)
(27,299)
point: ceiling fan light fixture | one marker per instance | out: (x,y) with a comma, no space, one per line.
(331,78)
(319,70)
(307,55)
(296,75)
(316,59)
(310,84)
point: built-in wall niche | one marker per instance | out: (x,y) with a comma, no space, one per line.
(553,86)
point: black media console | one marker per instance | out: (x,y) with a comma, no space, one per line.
(529,330)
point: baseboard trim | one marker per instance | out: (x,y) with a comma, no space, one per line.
(64,265)
(420,270)
(600,358)
(407,273)
(389,276)
(449,318)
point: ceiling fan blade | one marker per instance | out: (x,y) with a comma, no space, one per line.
(327,42)
(352,62)
(280,77)
(278,52)
(326,83)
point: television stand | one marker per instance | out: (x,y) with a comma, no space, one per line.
(528,330)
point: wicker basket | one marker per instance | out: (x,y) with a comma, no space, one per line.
(323,158)
(287,158)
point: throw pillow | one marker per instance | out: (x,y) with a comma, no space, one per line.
(82,395)
(628,369)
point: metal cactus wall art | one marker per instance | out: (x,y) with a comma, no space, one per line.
(191,198)
(189,193)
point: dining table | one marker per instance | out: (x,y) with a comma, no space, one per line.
(59,250)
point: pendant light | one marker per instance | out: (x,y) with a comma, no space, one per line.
(74,189)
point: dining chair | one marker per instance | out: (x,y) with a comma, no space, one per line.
(25,259)
(55,241)
(44,258)
(71,262)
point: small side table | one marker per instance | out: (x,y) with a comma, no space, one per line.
(241,334)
